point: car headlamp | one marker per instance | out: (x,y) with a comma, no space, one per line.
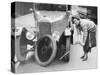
(30,36)
(67,31)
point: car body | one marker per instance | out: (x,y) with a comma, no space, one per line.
(44,28)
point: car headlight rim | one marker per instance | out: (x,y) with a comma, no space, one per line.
(30,36)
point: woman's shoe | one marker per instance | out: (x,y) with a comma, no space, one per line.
(85,58)
(82,57)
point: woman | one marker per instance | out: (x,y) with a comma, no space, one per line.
(88,28)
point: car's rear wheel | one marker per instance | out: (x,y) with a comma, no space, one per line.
(46,50)
(66,58)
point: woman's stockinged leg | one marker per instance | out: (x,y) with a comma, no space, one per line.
(83,53)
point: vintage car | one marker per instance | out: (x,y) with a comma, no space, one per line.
(48,37)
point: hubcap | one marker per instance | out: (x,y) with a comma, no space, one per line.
(45,49)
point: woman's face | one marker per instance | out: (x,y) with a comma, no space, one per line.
(76,21)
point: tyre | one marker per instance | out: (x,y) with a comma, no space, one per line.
(66,58)
(21,44)
(46,50)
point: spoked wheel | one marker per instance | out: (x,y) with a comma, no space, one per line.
(22,46)
(46,50)
(66,58)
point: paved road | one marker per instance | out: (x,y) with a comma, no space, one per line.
(75,62)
